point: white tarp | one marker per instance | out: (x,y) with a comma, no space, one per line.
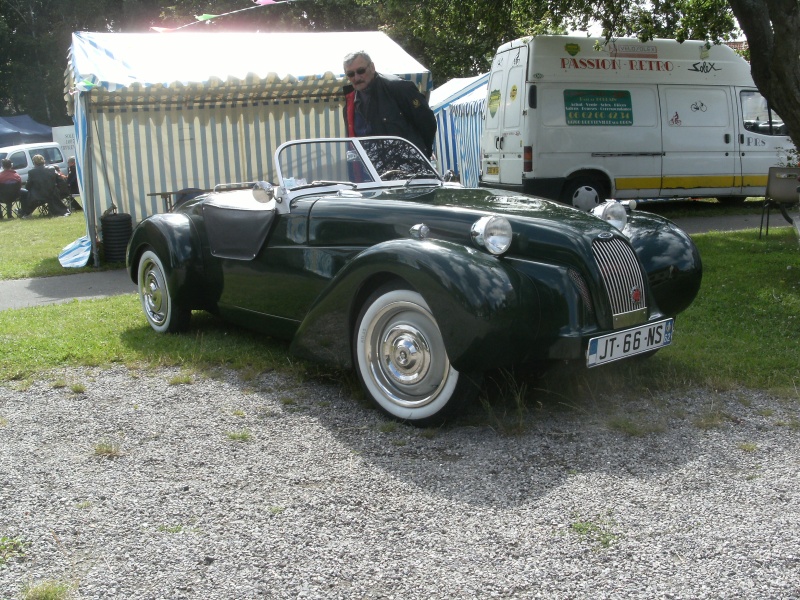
(160,112)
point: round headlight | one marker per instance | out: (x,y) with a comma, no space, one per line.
(613,212)
(492,233)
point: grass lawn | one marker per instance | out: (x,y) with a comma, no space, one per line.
(30,247)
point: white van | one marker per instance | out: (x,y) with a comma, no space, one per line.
(656,119)
(21,157)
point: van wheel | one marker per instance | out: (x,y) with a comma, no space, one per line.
(583,193)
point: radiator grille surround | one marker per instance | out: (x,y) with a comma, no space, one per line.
(623,280)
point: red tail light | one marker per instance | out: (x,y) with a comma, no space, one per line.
(527,158)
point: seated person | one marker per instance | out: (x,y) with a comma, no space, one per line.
(72,176)
(9,177)
(43,189)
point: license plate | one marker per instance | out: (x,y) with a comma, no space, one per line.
(492,170)
(622,344)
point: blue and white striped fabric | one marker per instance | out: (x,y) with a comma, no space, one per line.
(442,98)
(77,253)
(468,118)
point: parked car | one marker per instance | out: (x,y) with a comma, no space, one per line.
(21,157)
(364,257)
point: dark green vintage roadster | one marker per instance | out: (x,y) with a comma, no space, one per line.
(363,256)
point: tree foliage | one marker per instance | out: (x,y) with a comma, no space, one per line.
(453,39)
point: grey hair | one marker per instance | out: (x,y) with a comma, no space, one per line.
(354,55)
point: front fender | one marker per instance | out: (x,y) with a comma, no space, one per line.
(173,238)
(670,259)
(487,312)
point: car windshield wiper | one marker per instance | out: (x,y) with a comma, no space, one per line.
(314,184)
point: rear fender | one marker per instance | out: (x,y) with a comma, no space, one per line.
(487,312)
(173,238)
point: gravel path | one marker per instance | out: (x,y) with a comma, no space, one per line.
(327,500)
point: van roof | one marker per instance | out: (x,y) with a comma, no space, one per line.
(592,59)
(26,146)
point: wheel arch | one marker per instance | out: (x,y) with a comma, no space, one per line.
(595,174)
(173,238)
(485,309)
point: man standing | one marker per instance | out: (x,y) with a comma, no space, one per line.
(379,104)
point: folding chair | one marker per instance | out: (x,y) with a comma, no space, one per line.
(782,192)
(9,194)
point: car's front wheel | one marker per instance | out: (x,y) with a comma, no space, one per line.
(159,306)
(402,362)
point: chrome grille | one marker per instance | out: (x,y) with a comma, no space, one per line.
(623,279)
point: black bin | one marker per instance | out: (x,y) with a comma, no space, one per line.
(117,229)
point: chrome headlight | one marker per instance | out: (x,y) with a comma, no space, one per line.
(613,212)
(492,233)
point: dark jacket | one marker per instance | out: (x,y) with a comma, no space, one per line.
(42,184)
(396,107)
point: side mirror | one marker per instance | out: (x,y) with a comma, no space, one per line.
(263,192)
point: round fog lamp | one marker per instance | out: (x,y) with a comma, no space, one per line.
(492,233)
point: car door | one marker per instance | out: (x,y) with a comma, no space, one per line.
(502,140)
(699,145)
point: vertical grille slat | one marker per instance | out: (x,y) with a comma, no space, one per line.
(621,275)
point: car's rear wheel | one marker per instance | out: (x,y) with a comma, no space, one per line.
(159,306)
(583,193)
(402,361)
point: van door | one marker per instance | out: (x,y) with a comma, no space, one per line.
(763,141)
(698,141)
(502,140)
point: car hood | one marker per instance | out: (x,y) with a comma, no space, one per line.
(501,202)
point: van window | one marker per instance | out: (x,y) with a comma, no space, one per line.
(51,155)
(19,160)
(757,115)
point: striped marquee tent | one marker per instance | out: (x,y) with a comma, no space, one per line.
(441,102)
(468,118)
(160,112)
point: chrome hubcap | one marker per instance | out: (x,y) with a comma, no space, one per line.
(152,292)
(403,363)
(405,354)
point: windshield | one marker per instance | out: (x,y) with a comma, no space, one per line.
(326,160)
(394,160)
(350,161)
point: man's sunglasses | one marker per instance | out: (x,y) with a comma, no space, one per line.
(359,70)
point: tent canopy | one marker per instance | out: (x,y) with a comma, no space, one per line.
(157,112)
(23,130)
(126,68)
